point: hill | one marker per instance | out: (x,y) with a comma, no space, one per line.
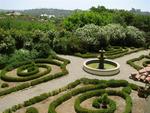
(38,12)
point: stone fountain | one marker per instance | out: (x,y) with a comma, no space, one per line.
(101,66)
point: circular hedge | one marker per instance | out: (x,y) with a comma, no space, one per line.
(30,70)
(90,88)
(32,74)
(112,105)
(26,78)
(97,89)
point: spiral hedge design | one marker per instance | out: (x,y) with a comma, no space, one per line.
(94,91)
(29,72)
(90,88)
(30,68)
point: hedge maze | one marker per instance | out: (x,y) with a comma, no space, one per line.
(30,73)
(111,53)
(84,89)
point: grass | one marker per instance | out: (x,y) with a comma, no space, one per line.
(106,65)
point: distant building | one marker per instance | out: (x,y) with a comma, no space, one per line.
(135,10)
(15,13)
(46,15)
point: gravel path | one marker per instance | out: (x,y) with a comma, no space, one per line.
(75,72)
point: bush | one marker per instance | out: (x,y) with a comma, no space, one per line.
(133,86)
(3,61)
(31,70)
(94,88)
(127,89)
(22,79)
(13,89)
(145,63)
(118,83)
(7,43)
(32,110)
(116,34)
(134,37)
(132,64)
(92,37)
(7,111)
(4,85)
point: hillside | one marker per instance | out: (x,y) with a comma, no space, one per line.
(38,12)
(56,12)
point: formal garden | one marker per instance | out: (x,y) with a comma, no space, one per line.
(51,66)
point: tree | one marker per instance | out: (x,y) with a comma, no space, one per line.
(89,36)
(41,42)
(20,38)
(116,34)
(134,37)
(7,43)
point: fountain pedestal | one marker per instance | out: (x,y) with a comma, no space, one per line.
(100,68)
(101,59)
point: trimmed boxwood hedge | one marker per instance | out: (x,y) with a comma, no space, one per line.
(127,89)
(4,85)
(30,70)
(137,67)
(145,63)
(62,65)
(32,110)
(110,109)
(93,87)
(25,78)
(112,54)
(110,103)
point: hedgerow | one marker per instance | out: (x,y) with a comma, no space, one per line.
(91,88)
(61,62)
(137,67)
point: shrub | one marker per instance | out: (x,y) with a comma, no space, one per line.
(3,61)
(91,36)
(36,99)
(94,88)
(116,34)
(22,79)
(127,89)
(7,43)
(118,83)
(32,110)
(134,37)
(145,63)
(7,111)
(133,86)
(132,64)
(40,80)
(4,85)
(31,70)
(13,89)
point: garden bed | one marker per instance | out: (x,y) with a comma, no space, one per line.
(19,76)
(78,96)
(110,54)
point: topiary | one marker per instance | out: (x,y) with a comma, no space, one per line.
(105,100)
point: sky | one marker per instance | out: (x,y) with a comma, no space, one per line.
(144,5)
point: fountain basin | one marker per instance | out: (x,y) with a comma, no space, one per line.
(111,67)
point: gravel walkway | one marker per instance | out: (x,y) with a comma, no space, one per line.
(75,72)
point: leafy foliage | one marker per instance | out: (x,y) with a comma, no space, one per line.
(31,110)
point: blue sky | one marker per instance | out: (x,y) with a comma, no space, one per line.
(75,4)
